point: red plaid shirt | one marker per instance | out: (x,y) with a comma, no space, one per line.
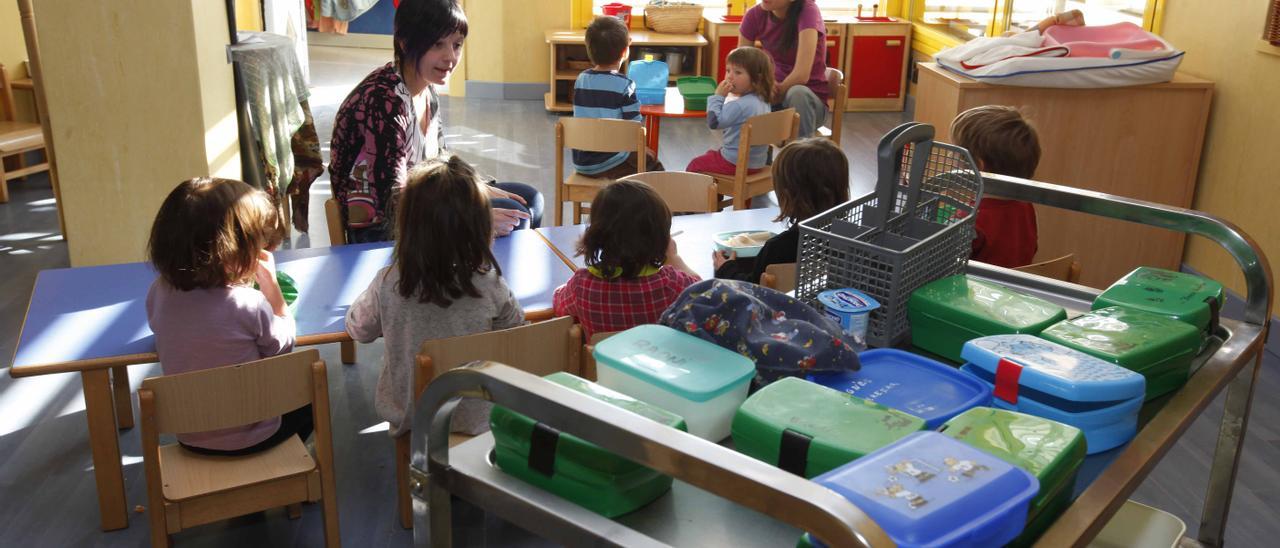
(616,304)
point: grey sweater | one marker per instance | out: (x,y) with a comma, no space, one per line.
(405,323)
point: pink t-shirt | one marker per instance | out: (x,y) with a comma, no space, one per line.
(205,328)
(760,24)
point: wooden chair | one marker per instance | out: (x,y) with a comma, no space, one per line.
(781,277)
(595,135)
(839,92)
(338,236)
(16,139)
(772,129)
(684,192)
(1065,268)
(185,489)
(541,349)
(588,356)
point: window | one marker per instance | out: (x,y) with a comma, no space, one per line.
(1027,13)
(959,19)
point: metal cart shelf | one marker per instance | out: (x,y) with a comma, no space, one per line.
(723,498)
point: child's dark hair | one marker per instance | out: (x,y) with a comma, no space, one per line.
(630,228)
(607,39)
(999,138)
(419,24)
(209,232)
(443,231)
(810,176)
(758,66)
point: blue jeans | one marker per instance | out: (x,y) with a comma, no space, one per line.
(385,232)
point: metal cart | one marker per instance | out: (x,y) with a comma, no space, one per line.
(723,498)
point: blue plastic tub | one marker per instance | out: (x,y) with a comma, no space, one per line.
(914,384)
(930,490)
(1048,380)
(651,81)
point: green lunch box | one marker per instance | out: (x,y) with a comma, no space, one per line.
(1049,450)
(695,90)
(1183,297)
(807,429)
(946,313)
(575,469)
(1158,347)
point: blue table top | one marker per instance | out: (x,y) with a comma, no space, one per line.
(99,312)
(695,243)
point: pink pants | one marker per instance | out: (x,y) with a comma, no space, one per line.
(714,162)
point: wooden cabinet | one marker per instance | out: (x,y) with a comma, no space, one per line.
(568,51)
(723,38)
(1140,142)
(877,64)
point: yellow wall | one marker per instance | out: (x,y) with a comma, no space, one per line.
(13,51)
(1238,172)
(505,40)
(131,120)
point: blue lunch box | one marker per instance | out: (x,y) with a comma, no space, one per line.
(651,81)
(907,382)
(930,490)
(1048,380)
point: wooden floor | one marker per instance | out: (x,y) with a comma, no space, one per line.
(47,495)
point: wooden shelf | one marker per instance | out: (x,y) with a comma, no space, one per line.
(548,99)
(566,43)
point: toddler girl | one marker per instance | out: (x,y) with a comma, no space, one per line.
(809,176)
(210,242)
(633,271)
(443,282)
(749,75)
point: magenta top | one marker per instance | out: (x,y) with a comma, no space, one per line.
(759,24)
(205,328)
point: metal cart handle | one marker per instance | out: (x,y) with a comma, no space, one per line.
(718,470)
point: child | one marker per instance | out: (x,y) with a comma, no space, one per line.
(633,271)
(749,75)
(1002,142)
(443,282)
(809,176)
(210,242)
(602,92)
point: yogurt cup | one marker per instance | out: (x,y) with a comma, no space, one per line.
(851,309)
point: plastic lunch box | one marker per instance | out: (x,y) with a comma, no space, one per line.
(1183,297)
(930,490)
(1158,347)
(695,90)
(807,429)
(947,312)
(651,80)
(688,376)
(1048,380)
(1050,450)
(575,469)
(911,383)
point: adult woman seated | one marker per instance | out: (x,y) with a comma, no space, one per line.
(391,122)
(794,36)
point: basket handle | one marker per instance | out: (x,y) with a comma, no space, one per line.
(889,165)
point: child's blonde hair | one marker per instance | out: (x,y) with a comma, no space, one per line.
(209,232)
(810,176)
(758,66)
(444,227)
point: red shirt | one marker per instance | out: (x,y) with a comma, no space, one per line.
(1006,233)
(603,305)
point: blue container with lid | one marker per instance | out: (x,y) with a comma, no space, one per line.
(930,490)
(1048,380)
(910,383)
(651,80)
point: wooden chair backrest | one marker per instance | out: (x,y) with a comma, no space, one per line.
(839,93)
(540,348)
(684,192)
(333,217)
(781,276)
(601,135)
(8,112)
(1065,268)
(774,128)
(222,397)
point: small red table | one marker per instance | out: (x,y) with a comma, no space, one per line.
(673,107)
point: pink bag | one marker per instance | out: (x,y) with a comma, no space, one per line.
(1121,40)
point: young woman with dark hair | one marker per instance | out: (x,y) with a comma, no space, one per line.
(793,34)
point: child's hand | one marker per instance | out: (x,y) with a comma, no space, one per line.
(724,88)
(673,259)
(718,258)
(265,275)
(495,192)
(506,220)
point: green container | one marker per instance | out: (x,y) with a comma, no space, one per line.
(575,469)
(1049,450)
(695,90)
(807,429)
(1158,347)
(1183,297)
(946,313)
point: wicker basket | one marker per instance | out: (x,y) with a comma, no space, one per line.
(670,19)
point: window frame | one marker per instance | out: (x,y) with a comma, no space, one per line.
(930,41)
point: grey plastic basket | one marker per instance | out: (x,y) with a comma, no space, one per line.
(889,252)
